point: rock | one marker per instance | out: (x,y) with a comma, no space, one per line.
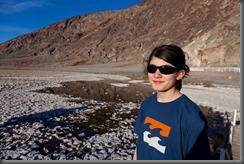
(208,31)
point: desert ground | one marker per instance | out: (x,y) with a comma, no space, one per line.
(88,112)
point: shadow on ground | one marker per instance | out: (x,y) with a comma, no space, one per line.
(104,91)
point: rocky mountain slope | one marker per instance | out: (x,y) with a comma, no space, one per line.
(207,30)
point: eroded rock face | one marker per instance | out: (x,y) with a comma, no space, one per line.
(208,31)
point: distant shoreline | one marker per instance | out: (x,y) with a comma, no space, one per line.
(227,76)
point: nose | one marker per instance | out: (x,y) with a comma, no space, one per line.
(157,74)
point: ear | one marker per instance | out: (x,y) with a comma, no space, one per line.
(180,75)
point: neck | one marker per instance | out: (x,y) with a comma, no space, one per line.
(168,95)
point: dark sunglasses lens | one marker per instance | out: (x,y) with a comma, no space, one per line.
(151,69)
(167,70)
(163,69)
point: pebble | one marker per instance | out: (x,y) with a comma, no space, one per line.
(33,125)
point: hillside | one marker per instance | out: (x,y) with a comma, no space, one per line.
(208,31)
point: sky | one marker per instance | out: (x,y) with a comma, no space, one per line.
(18,17)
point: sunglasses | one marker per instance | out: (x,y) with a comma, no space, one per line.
(164,69)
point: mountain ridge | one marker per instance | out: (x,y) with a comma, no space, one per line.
(208,31)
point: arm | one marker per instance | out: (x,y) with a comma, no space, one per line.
(200,150)
(196,140)
(134,155)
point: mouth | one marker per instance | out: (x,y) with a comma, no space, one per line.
(157,82)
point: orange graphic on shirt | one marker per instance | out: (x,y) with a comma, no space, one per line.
(165,129)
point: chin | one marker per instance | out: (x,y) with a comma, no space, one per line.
(157,88)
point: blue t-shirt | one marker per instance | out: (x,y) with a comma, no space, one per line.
(174,130)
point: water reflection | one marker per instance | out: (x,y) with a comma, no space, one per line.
(105,90)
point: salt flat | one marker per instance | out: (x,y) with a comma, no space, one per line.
(27,115)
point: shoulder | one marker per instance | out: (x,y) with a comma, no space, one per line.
(149,100)
(191,110)
(188,105)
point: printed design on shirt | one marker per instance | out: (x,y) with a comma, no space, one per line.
(154,141)
(165,129)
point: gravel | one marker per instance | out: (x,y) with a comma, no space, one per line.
(34,126)
(38,126)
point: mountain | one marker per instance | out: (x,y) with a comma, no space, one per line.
(207,30)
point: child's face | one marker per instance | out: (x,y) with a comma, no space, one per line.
(159,81)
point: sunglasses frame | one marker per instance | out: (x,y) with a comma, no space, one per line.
(163,69)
